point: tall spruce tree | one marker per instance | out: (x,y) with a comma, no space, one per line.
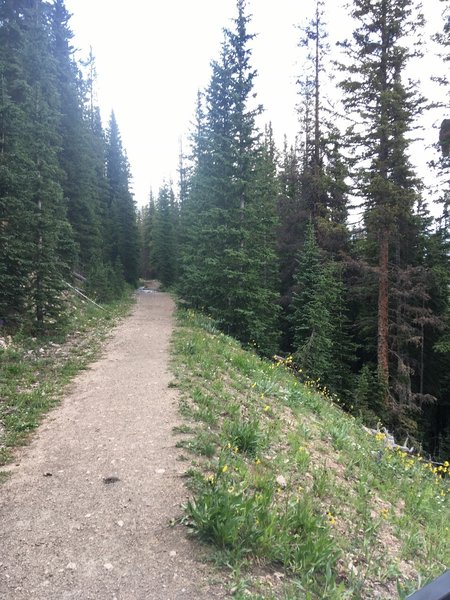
(77,161)
(310,317)
(323,172)
(16,203)
(122,241)
(165,244)
(318,318)
(319,194)
(225,258)
(146,239)
(96,153)
(385,104)
(51,234)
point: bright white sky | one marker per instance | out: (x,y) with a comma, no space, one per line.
(152,57)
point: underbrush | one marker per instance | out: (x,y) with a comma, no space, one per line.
(34,370)
(291,493)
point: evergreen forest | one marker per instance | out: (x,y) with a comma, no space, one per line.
(65,202)
(261,238)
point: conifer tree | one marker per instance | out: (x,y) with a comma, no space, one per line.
(146,241)
(16,204)
(52,172)
(223,271)
(122,242)
(51,232)
(323,170)
(293,216)
(165,236)
(193,208)
(96,156)
(318,318)
(310,317)
(376,91)
(319,174)
(77,161)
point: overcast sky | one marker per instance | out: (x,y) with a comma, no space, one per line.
(152,57)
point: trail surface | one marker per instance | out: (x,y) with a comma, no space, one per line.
(85,514)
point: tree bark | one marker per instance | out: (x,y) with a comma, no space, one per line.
(383,307)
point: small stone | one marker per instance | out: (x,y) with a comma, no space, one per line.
(108,566)
(71,566)
(160,471)
(172,553)
(281,481)
(109,480)
(120,523)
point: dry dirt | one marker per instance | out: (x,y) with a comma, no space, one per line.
(86,512)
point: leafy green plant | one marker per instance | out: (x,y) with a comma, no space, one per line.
(203,444)
(244,436)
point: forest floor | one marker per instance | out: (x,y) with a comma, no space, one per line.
(90,508)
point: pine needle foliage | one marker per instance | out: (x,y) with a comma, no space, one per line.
(228,254)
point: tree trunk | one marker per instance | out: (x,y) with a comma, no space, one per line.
(383,308)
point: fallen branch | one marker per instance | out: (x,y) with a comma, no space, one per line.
(389,439)
(83,295)
(392,445)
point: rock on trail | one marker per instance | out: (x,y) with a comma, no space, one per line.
(85,514)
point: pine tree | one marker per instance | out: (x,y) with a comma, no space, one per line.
(165,236)
(314,193)
(146,239)
(96,156)
(375,90)
(319,318)
(310,311)
(315,190)
(122,241)
(51,232)
(16,204)
(323,170)
(293,217)
(223,269)
(52,172)
(79,178)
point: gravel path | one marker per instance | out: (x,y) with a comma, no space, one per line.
(85,513)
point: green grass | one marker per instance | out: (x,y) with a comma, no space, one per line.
(34,371)
(289,491)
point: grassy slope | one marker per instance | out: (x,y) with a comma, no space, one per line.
(34,371)
(291,492)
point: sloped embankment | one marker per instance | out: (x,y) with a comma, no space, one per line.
(290,491)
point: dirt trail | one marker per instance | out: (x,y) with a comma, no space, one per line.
(85,513)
